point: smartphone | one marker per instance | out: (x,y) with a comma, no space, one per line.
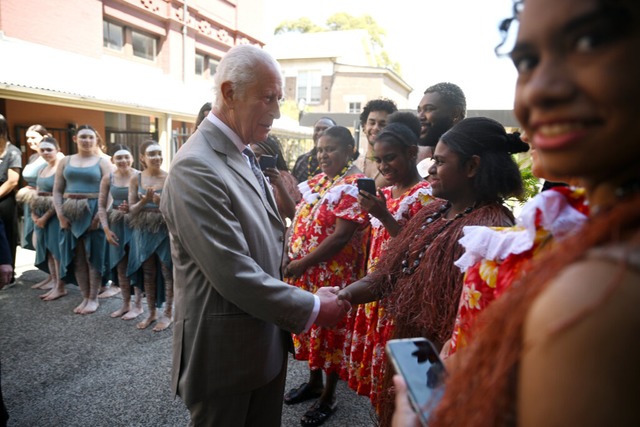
(417,360)
(266,161)
(367,185)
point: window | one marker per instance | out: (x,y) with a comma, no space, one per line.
(309,86)
(205,65)
(355,107)
(112,35)
(129,41)
(213,66)
(199,64)
(144,46)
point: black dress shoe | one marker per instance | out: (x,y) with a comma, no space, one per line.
(300,394)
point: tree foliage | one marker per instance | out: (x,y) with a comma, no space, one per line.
(342,21)
(301,25)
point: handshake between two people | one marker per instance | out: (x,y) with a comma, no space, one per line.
(334,305)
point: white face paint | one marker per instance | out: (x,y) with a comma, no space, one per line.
(122,159)
(121,153)
(153,147)
(47,146)
(47,150)
(153,155)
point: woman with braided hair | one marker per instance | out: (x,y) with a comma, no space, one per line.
(394,151)
(558,347)
(472,174)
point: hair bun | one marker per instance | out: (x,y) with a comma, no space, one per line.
(515,144)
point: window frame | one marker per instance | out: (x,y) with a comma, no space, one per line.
(309,87)
(130,39)
(106,39)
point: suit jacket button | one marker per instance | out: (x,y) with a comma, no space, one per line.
(281,238)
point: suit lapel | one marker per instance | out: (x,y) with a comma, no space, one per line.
(236,162)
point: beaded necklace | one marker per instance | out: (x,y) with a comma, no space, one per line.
(311,173)
(409,268)
(307,210)
(320,187)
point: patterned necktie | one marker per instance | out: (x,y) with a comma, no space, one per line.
(255,169)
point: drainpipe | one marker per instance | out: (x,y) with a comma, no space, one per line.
(333,79)
(185,14)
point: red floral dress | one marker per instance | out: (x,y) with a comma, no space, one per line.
(323,202)
(372,327)
(496,257)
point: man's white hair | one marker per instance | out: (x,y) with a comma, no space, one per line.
(239,66)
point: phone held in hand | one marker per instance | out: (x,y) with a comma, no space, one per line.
(367,185)
(266,161)
(417,360)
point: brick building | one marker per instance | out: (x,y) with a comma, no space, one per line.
(133,69)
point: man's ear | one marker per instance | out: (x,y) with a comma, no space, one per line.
(226,89)
(458,114)
(472,166)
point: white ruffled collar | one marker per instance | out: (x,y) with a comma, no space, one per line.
(557,216)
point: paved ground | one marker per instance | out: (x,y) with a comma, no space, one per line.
(63,369)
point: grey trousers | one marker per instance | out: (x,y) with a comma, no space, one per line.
(256,408)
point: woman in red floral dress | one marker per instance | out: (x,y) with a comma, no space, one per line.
(395,152)
(327,247)
(496,257)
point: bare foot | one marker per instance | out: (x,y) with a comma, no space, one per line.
(45,295)
(133,313)
(78,309)
(54,294)
(163,323)
(47,283)
(90,307)
(123,310)
(109,292)
(146,322)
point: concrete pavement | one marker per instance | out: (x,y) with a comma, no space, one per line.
(63,369)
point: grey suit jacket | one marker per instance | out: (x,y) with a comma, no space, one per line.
(226,243)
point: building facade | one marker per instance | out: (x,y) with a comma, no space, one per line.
(133,69)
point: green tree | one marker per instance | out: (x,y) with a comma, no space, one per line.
(301,25)
(342,21)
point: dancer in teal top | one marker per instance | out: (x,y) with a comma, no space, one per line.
(150,236)
(75,197)
(47,226)
(113,209)
(34,135)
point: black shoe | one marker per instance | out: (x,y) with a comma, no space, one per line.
(300,394)
(318,413)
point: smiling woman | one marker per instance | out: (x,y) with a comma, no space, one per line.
(417,274)
(327,247)
(75,197)
(555,349)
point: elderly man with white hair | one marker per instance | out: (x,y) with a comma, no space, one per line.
(233,314)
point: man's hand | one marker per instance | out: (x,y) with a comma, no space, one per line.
(332,310)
